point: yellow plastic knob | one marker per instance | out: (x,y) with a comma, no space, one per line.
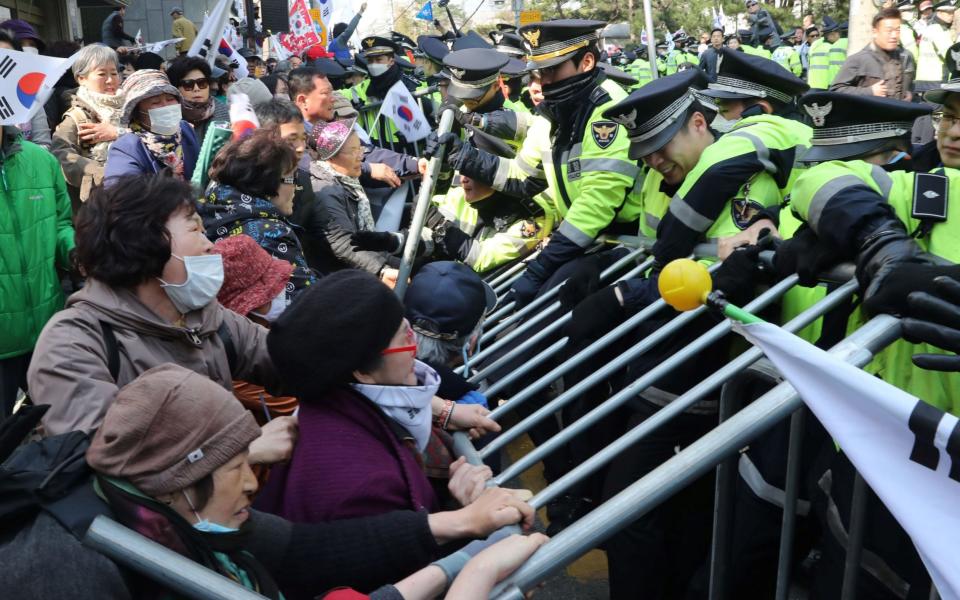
(684,284)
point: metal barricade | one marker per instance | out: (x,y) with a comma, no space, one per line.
(686,466)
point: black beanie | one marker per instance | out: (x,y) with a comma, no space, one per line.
(333,328)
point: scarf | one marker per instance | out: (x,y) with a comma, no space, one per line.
(196,113)
(108,108)
(167,149)
(352,185)
(407,405)
(379,86)
(220,552)
(563,99)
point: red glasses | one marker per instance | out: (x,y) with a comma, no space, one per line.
(410,347)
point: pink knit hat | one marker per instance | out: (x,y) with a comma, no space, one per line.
(251,277)
(329,138)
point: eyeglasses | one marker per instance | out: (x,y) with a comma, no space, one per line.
(194,84)
(411,343)
(942,120)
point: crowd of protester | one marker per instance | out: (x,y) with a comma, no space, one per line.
(199,303)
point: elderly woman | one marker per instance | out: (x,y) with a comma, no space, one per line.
(150,298)
(82,140)
(160,141)
(337,188)
(171,462)
(192,76)
(252,184)
(365,406)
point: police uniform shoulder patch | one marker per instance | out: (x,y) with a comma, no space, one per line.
(930,196)
(742,210)
(604,133)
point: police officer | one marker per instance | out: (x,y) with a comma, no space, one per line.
(838,49)
(895,226)
(818,72)
(587,164)
(936,38)
(474,79)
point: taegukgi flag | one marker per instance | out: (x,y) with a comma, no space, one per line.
(400,106)
(211,32)
(26,82)
(908,451)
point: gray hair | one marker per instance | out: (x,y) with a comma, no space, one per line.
(92,56)
(443,351)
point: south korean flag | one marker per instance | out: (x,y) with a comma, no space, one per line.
(26,82)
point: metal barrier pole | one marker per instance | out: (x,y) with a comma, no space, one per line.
(505,274)
(553,292)
(723,500)
(134,551)
(527,366)
(791,491)
(646,380)
(420,214)
(683,468)
(686,401)
(541,335)
(858,522)
(503,287)
(463,447)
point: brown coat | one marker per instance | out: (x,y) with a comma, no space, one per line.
(80,169)
(871,65)
(70,372)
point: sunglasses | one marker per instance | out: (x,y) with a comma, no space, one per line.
(411,343)
(194,84)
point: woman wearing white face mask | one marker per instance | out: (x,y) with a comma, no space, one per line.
(254,285)
(160,141)
(150,298)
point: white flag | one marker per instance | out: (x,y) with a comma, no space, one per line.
(210,34)
(156,47)
(405,113)
(139,37)
(896,441)
(26,82)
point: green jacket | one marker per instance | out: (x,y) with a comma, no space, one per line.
(36,236)
(830,182)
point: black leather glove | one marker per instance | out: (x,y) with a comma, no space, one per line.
(806,255)
(584,281)
(449,140)
(934,318)
(376,241)
(451,242)
(594,317)
(738,275)
(461,117)
(901,280)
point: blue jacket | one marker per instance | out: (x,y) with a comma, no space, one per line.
(129,156)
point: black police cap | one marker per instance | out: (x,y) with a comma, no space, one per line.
(402,40)
(653,114)
(742,76)
(952,86)
(472,71)
(447,299)
(509,27)
(509,43)
(433,48)
(514,68)
(377,45)
(846,126)
(550,43)
(329,67)
(471,39)
(618,75)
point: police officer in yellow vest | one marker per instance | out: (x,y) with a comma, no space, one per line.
(512,75)
(818,73)
(838,49)
(936,38)
(896,228)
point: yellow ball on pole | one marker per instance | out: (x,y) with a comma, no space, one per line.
(684,284)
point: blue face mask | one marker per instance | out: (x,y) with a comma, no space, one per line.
(205,525)
(899,156)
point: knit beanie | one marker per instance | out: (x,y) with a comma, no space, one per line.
(141,85)
(251,277)
(169,428)
(333,328)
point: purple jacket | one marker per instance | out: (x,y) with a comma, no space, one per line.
(129,156)
(349,462)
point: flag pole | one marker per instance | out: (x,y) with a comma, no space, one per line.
(651,38)
(423,202)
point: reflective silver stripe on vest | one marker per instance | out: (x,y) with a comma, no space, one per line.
(652,221)
(870,562)
(575,235)
(473,255)
(763,153)
(688,216)
(824,194)
(502,174)
(609,165)
(764,490)
(531,170)
(883,181)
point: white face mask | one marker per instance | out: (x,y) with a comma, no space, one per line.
(277,306)
(204,278)
(376,70)
(407,405)
(165,120)
(31,50)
